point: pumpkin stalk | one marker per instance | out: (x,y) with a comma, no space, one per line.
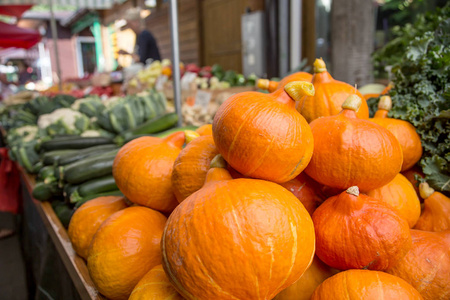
(425,190)
(353,102)
(297,89)
(218,162)
(384,106)
(263,84)
(190,135)
(319,66)
(354,190)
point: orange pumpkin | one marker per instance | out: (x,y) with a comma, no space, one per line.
(410,174)
(271,86)
(400,194)
(262,135)
(365,285)
(143,168)
(427,265)
(436,212)
(354,231)
(350,151)
(305,189)
(329,97)
(191,166)
(124,249)
(404,132)
(310,280)
(237,239)
(155,286)
(204,129)
(87,219)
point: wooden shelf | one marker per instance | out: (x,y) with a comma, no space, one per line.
(75,265)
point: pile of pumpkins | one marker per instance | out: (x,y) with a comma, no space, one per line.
(270,203)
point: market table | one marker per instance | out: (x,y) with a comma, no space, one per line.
(52,264)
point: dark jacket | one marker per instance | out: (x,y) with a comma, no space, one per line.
(147,47)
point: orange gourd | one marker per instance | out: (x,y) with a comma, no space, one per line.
(262,135)
(306,285)
(237,239)
(365,285)
(410,174)
(436,211)
(305,189)
(155,286)
(354,231)
(427,265)
(350,151)
(271,86)
(329,97)
(87,219)
(143,169)
(124,249)
(191,166)
(400,194)
(404,132)
(204,130)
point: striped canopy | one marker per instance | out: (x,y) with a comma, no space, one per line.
(93,4)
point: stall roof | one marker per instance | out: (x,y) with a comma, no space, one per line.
(14,36)
(93,4)
(14,10)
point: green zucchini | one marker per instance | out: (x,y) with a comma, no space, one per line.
(68,190)
(52,157)
(44,192)
(84,153)
(46,172)
(94,186)
(153,126)
(85,199)
(75,143)
(63,212)
(89,168)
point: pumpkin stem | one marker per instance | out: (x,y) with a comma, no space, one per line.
(297,89)
(218,162)
(425,190)
(352,102)
(190,136)
(319,66)
(385,103)
(218,170)
(353,190)
(263,84)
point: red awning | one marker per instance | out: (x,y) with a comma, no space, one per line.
(13,36)
(14,10)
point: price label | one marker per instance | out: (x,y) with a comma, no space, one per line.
(203,98)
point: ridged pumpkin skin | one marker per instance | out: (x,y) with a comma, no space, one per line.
(191,166)
(404,132)
(400,194)
(305,189)
(307,284)
(427,265)
(436,211)
(359,232)
(349,151)
(263,136)
(87,219)
(124,249)
(237,239)
(365,285)
(155,286)
(329,97)
(204,129)
(143,169)
(272,86)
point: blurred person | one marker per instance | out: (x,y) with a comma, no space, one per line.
(146,46)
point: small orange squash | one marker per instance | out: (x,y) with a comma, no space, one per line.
(427,265)
(436,212)
(404,132)
(124,249)
(271,86)
(329,97)
(143,169)
(87,219)
(354,231)
(155,286)
(410,174)
(191,166)
(262,135)
(365,285)
(310,280)
(400,194)
(237,239)
(350,151)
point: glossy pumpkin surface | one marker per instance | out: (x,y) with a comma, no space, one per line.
(262,135)
(155,286)
(87,219)
(354,231)
(329,97)
(427,265)
(349,151)
(191,166)
(400,194)
(124,249)
(143,169)
(365,285)
(237,239)
(436,211)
